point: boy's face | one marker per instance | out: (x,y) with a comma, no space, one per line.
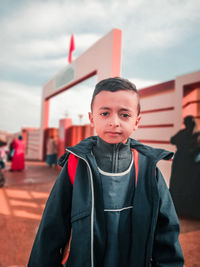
(114,115)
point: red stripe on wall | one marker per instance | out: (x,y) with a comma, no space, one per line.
(191,102)
(154,141)
(157,110)
(157,126)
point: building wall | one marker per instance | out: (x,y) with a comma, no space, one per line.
(163,107)
(191,101)
(32,144)
(158,120)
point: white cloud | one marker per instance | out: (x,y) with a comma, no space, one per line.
(161,24)
(51,47)
(165,18)
(41,30)
(45,54)
(19,106)
(41,18)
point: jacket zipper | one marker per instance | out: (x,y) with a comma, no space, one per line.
(115,157)
(92,209)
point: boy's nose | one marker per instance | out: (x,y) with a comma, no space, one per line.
(114,121)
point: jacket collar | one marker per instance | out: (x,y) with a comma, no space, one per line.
(84,148)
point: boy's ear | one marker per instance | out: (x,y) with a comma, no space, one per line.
(91,119)
(137,122)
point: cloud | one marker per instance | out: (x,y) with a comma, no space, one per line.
(19,106)
(36,36)
(161,24)
(154,23)
(44,54)
(39,19)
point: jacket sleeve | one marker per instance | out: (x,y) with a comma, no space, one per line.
(55,227)
(166,249)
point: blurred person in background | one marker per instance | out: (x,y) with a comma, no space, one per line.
(185,177)
(3,158)
(10,151)
(18,155)
(52,150)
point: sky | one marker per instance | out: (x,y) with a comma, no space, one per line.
(160,41)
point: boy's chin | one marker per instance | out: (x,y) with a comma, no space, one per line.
(113,141)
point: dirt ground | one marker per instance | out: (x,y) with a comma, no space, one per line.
(22,201)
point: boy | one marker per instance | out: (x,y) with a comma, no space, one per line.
(118,211)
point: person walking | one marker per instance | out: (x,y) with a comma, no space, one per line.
(2,160)
(18,156)
(52,150)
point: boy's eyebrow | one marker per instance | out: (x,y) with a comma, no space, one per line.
(105,108)
(121,109)
(125,109)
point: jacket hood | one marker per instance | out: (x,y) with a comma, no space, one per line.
(85,147)
(151,152)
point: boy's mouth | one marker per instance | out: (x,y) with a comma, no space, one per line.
(113,133)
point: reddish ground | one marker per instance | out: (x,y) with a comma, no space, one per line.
(22,200)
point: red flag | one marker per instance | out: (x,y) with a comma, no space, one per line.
(71,48)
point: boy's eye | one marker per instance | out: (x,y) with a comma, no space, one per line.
(104,113)
(124,115)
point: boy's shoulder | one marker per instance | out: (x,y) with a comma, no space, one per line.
(151,152)
(81,149)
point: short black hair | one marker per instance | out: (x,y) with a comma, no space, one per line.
(113,85)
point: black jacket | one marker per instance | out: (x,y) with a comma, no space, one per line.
(80,208)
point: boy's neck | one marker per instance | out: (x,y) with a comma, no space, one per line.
(112,157)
